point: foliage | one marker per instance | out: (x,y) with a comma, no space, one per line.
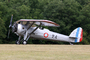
(70,14)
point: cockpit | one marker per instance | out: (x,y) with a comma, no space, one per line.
(26,23)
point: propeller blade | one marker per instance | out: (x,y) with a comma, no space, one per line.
(10,26)
(11,21)
(8,33)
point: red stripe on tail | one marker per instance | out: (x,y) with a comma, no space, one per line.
(81,36)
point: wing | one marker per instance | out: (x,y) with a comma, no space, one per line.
(37,22)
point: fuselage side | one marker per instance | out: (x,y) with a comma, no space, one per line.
(49,35)
(42,34)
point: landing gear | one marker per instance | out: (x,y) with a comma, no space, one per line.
(24,42)
(70,43)
(17,42)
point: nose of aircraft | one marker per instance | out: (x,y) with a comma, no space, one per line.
(14,28)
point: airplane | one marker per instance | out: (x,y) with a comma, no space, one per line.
(32,28)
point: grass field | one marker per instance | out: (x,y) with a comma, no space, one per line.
(44,52)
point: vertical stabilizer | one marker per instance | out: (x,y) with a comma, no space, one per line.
(77,34)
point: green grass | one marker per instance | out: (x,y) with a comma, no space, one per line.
(44,52)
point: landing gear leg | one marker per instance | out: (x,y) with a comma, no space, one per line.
(71,43)
(25,37)
(18,41)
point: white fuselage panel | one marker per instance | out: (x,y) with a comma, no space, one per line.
(46,34)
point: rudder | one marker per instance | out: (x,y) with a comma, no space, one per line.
(77,34)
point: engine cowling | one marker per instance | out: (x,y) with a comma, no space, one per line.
(14,27)
(21,29)
(18,28)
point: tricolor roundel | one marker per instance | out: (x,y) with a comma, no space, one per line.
(46,35)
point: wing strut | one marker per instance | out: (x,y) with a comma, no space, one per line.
(30,25)
(33,30)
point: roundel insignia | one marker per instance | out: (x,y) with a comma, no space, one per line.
(45,35)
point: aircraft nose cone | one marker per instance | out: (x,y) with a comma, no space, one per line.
(14,28)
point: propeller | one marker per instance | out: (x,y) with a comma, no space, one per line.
(10,26)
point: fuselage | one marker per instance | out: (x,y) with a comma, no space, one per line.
(49,35)
(42,34)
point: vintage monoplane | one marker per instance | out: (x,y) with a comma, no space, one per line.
(28,28)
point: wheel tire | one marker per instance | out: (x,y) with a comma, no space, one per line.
(24,42)
(17,42)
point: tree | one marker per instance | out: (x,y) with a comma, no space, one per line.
(83,2)
(70,14)
(3,11)
(2,31)
(84,20)
(64,13)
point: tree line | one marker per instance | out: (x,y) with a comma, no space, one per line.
(70,14)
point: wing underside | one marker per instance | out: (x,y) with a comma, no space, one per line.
(43,22)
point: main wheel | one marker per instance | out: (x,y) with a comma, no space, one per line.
(24,42)
(17,42)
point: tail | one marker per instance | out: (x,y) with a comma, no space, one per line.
(77,35)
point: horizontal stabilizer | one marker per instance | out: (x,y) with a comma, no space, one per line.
(73,37)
